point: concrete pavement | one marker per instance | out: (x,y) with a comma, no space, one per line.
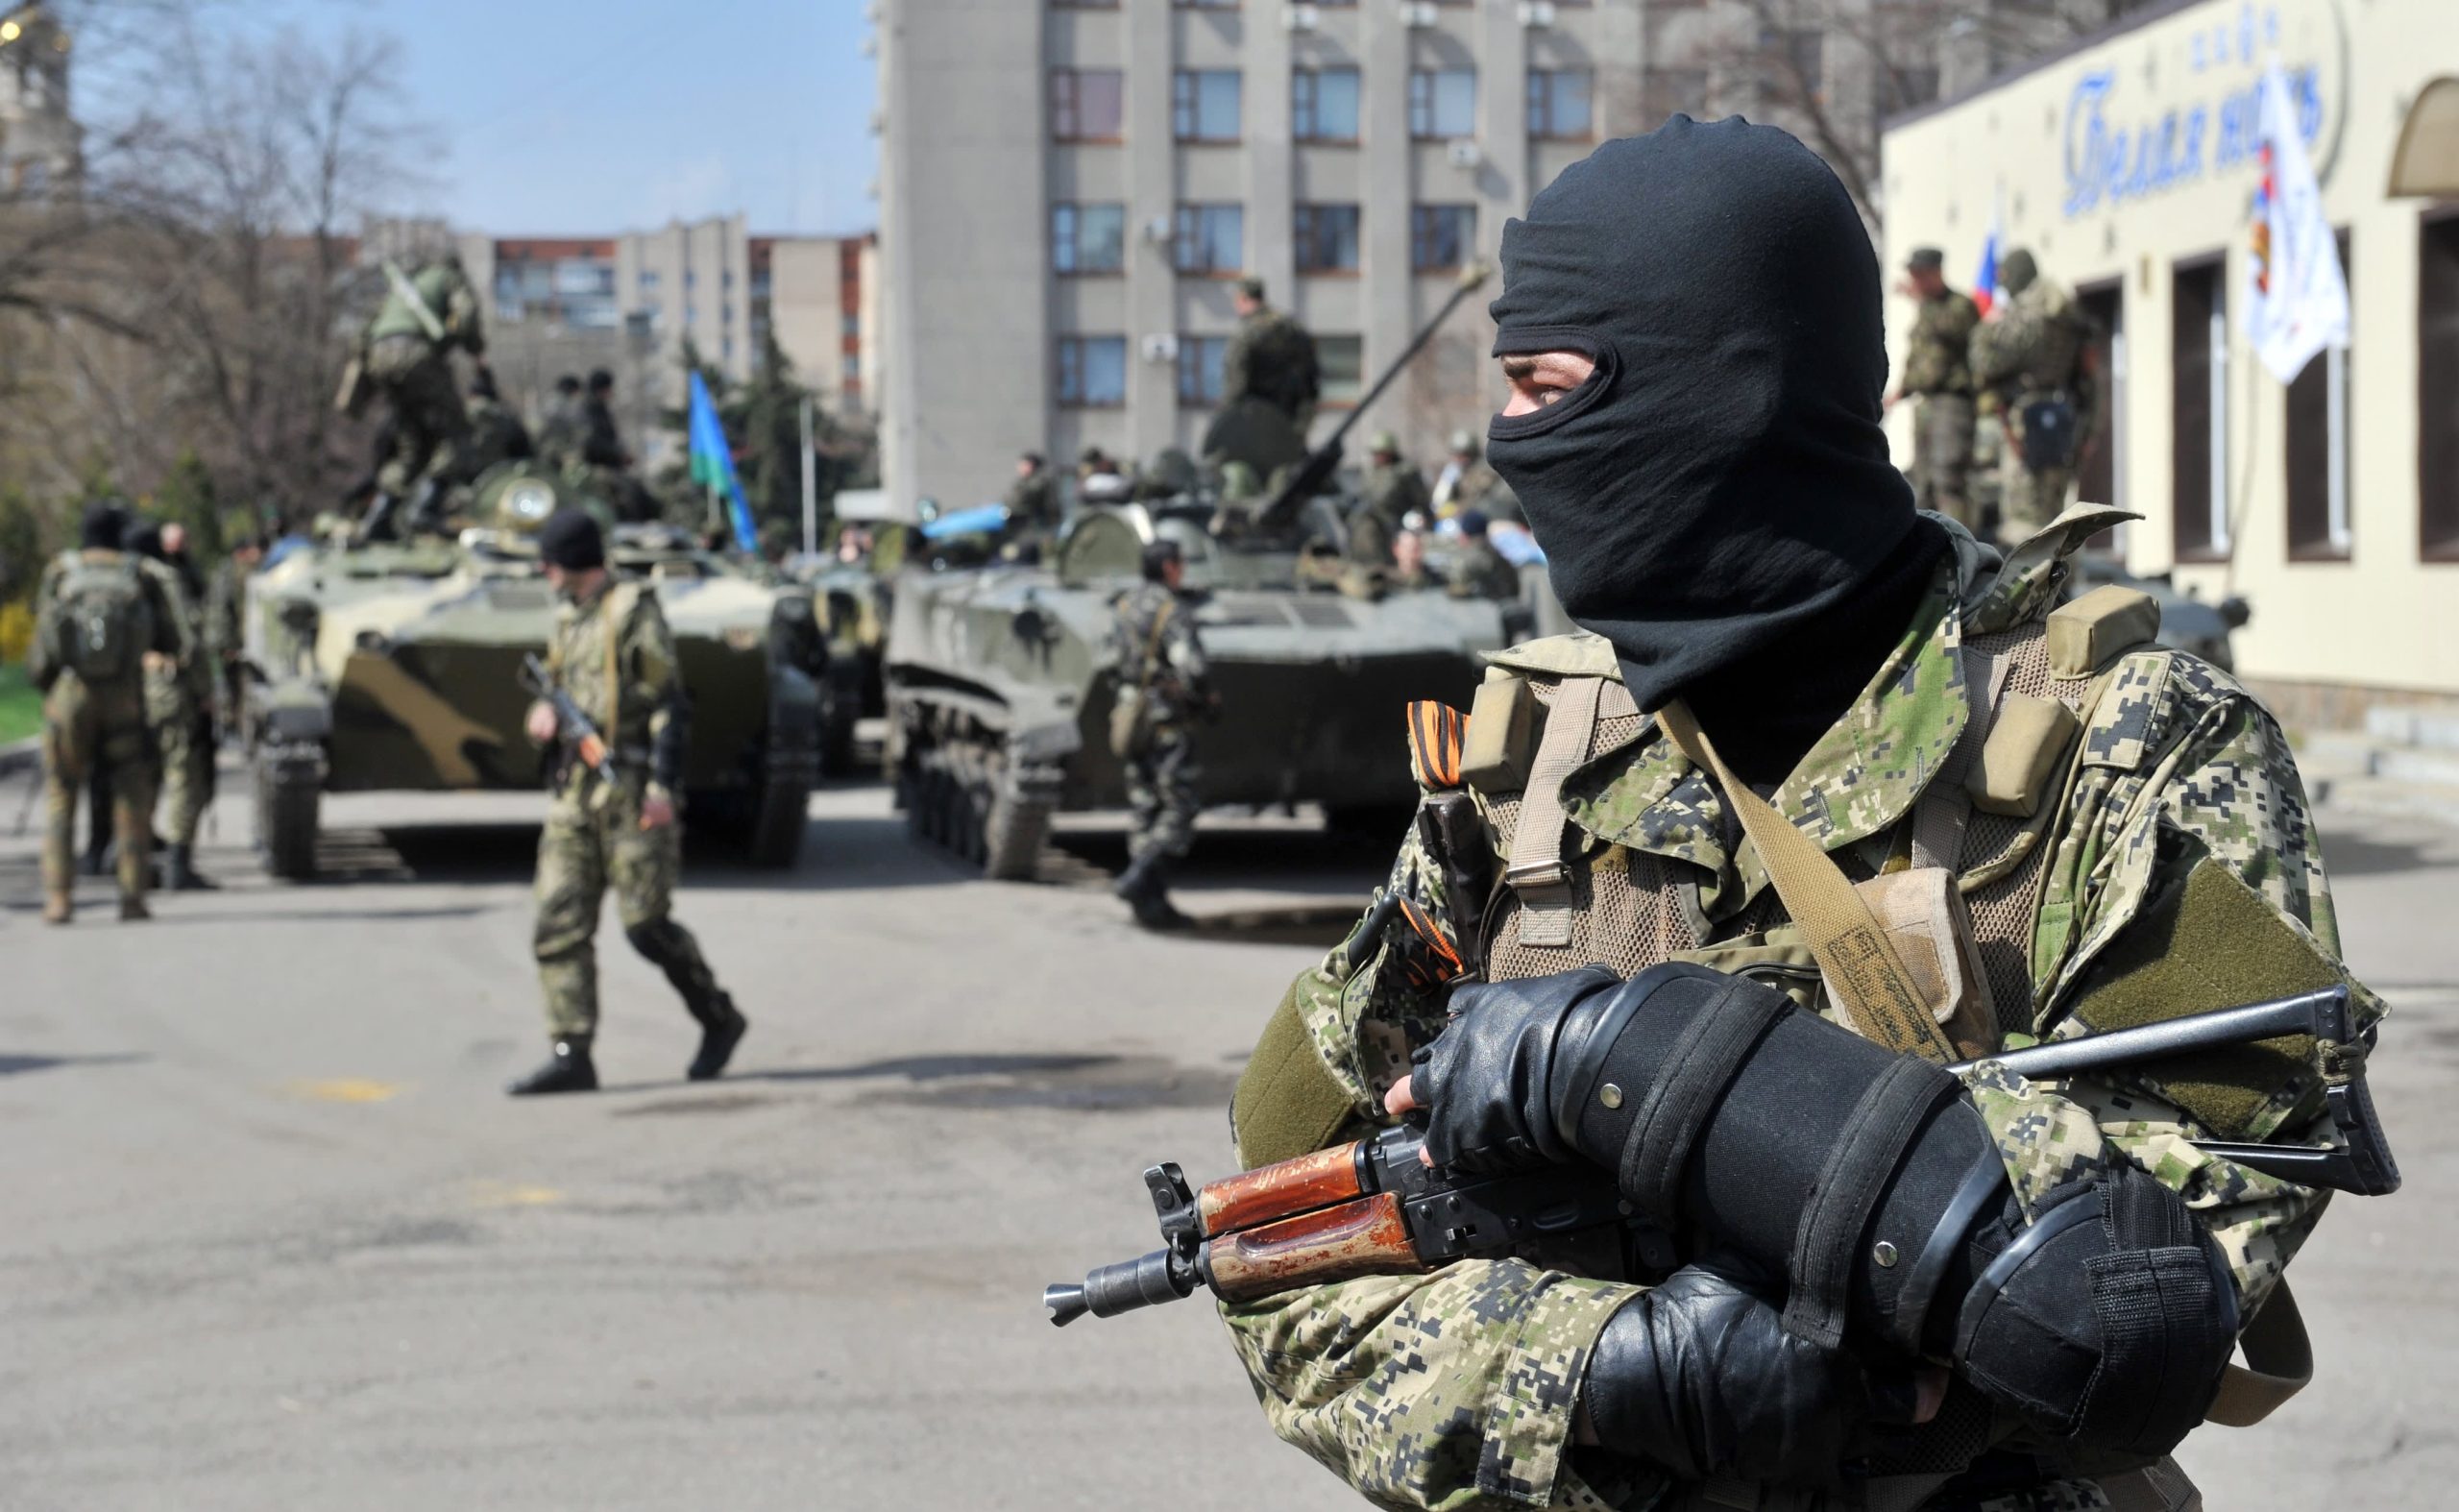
(275,1238)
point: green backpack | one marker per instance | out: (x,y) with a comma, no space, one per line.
(103,623)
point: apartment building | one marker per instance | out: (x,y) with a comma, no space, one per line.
(1069,186)
(630,302)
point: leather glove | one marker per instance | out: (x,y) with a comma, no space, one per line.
(1485,1079)
(1700,1378)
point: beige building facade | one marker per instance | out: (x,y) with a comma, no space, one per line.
(2129,165)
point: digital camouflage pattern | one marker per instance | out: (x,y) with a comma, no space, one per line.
(1937,355)
(614,656)
(100,729)
(1455,1390)
(1165,656)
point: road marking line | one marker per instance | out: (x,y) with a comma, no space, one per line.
(346,1089)
(513,1194)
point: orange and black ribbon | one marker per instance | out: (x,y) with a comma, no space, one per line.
(1436,731)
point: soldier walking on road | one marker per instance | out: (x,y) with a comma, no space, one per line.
(611,651)
(179,710)
(1161,662)
(101,612)
(1271,357)
(2032,358)
(1937,373)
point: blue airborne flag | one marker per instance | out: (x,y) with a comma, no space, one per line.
(712,463)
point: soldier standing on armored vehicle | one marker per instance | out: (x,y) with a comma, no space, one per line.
(559,434)
(1465,480)
(1393,491)
(2030,357)
(614,820)
(496,434)
(1271,357)
(1481,572)
(1164,689)
(99,612)
(1938,372)
(1032,499)
(407,358)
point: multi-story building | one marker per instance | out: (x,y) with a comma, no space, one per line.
(41,153)
(632,303)
(1068,186)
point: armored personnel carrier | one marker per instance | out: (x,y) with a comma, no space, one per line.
(1000,678)
(392,667)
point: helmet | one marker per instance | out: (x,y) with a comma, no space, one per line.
(1384,443)
(1464,443)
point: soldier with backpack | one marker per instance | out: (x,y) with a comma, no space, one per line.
(100,611)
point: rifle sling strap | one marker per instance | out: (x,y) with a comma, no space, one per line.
(1865,977)
(1535,867)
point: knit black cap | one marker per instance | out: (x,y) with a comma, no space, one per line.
(104,526)
(570,539)
(1158,558)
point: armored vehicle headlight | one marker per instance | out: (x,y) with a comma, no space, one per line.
(529,502)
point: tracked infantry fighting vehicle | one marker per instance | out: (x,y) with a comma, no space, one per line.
(392,667)
(1000,679)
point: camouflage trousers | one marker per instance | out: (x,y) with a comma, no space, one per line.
(1160,797)
(183,735)
(430,425)
(1942,456)
(590,844)
(88,731)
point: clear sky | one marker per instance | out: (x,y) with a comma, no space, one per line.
(562,117)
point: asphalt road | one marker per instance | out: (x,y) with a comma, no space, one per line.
(274,1239)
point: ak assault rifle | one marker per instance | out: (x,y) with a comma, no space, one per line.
(578,730)
(1375,1209)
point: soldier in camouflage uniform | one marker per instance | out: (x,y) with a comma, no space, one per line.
(2030,359)
(612,652)
(559,434)
(120,610)
(407,357)
(1032,499)
(226,638)
(1271,357)
(1478,1386)
(1157,652)
(1938,372)
(179,707)
(496,434)
(1467,482)
(1480,572)
(1393,491)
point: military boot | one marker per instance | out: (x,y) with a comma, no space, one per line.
(58,908)
(1129,884)
(132,909)
(179,873)
(721,1029)
(568,1070)
(1151,901)
(97,861)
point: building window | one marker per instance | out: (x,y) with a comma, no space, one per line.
(649,280)
(1325,238)
(1203,104)
(853,366)
(1199,370)
(1087,104)
(1087,238)
(1340,365)
(1442,104)
(1207,5)
(851,326)
(1322,105)
(2099,473)
(2318,453)
(2199,412)
(2438,390)
(1558,105)
(1667,92)
(1209,239)
(1441,236)
(1084,5)
(1092,372)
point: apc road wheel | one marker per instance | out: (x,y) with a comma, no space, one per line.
(288,800)
(1018,821)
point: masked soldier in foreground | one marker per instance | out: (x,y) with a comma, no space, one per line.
(1164,687)
(612,652)
(2030,357)
(101,611)
(1977,1293)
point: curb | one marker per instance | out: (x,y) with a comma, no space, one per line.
(20,754)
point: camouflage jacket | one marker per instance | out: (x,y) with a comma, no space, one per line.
(174,630)
(2033,349)
(1459,1389)
(444,288)
(1033,501)
(614,656)
(1270,357)
(1480,572)
(1935,360)
(1170,662)
(226,607)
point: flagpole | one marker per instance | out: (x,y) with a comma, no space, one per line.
(811,486)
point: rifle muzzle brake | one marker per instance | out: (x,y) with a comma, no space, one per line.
(1112,1289)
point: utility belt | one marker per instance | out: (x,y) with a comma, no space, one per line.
(2048,426)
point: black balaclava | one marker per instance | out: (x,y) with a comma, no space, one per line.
(146,541)
(103,528)
(1718,497)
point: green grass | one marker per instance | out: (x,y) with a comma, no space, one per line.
(20,706)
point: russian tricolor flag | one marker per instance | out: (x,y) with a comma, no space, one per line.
(1984,278)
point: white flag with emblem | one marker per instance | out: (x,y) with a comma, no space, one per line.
(2296,294)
